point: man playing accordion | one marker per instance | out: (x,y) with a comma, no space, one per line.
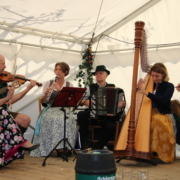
(106,122)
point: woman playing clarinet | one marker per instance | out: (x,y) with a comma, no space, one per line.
(50,124)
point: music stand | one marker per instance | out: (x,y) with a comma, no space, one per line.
(68,97)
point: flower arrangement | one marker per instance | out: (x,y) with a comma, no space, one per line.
(85,77)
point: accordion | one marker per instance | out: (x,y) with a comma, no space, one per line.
(105,101)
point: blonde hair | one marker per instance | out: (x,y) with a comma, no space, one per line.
(161,68)
(64,67)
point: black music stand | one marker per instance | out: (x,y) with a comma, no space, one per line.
(68,97)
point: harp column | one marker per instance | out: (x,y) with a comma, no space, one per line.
(139,26)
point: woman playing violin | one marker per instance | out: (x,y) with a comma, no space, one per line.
(12,142)
(22,120)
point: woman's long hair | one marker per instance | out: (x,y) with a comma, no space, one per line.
(161,68)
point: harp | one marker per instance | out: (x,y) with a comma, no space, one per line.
(134,138)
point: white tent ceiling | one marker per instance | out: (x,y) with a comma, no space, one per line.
(75,17)
(69,20)
(69,25)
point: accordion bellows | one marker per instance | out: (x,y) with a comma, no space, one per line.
(105,101)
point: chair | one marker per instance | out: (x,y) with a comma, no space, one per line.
(111,142)
(175,108)
(39,104)
(118,123)
(118,126)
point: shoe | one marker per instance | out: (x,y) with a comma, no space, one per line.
(154,154)
(69,153)
(30,148)
(61,153)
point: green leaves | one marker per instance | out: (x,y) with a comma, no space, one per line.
(84,77)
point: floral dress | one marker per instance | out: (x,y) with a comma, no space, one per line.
(52,129)
(10,138)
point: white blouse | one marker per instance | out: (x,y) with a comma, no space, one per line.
(46,85)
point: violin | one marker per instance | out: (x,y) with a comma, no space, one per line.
(19,79)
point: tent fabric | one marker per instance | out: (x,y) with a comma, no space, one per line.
(68,26)
(67,16)
(161,26)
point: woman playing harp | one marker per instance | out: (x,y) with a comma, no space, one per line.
(137,137)
(162,131)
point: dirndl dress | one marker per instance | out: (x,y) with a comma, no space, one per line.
(52,131)
(162,136)
(10,138)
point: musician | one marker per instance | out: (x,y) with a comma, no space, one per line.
(176,114)
(50,124)
(162,131)
(108,123)
(178,87)
(22,120)
(12,142)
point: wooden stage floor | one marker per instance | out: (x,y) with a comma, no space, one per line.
(31,168)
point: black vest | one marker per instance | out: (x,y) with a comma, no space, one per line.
(2,85)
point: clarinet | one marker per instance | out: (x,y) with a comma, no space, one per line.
(47,98)
(56,81)
(56,78)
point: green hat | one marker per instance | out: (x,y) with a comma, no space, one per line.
(101,68)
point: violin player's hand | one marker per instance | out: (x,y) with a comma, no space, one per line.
(9,102)
(32,84)
(10,93)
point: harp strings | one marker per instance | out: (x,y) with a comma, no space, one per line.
(145,68)
(143,54)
